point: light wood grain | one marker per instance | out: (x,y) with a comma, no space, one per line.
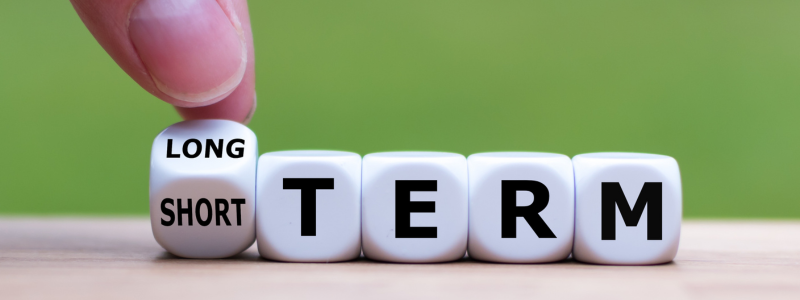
(119,259)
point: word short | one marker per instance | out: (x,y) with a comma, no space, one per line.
(212,196)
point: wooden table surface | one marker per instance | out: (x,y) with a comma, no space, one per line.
(101,258)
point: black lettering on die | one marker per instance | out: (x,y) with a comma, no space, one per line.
(239,150)
(211,147)
(403,207)
(613,196)
(169,150)
(167,212)
(238,203)
(308,200)
(198,148)
(187,211)
(222,212)
(510,211)
(217,148)
(201,202)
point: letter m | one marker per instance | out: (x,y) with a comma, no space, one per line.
(613,196)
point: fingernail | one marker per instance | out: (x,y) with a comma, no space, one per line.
(193,49)
(252,110)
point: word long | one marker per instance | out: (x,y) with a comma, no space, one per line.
(415,207)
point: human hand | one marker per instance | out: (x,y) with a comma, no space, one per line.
(194,54)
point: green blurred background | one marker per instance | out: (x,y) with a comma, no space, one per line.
(715,84)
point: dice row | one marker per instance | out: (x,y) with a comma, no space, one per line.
(211,196)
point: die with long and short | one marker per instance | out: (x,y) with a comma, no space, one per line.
(414,206)
(521,207)
(628,208)
(202,188)
(309,206)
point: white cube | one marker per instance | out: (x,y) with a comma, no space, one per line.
(521,207)
(414,206)
(202,188)
(628,208)
(309,206)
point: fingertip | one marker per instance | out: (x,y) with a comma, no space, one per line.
(239,106)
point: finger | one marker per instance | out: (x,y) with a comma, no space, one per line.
(240,105)
(234,107)
(194,54)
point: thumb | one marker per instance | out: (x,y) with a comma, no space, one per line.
(194,54)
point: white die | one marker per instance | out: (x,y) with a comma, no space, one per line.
(432,206)
(309,206)
(510,194)
(603,181)
(202,188)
